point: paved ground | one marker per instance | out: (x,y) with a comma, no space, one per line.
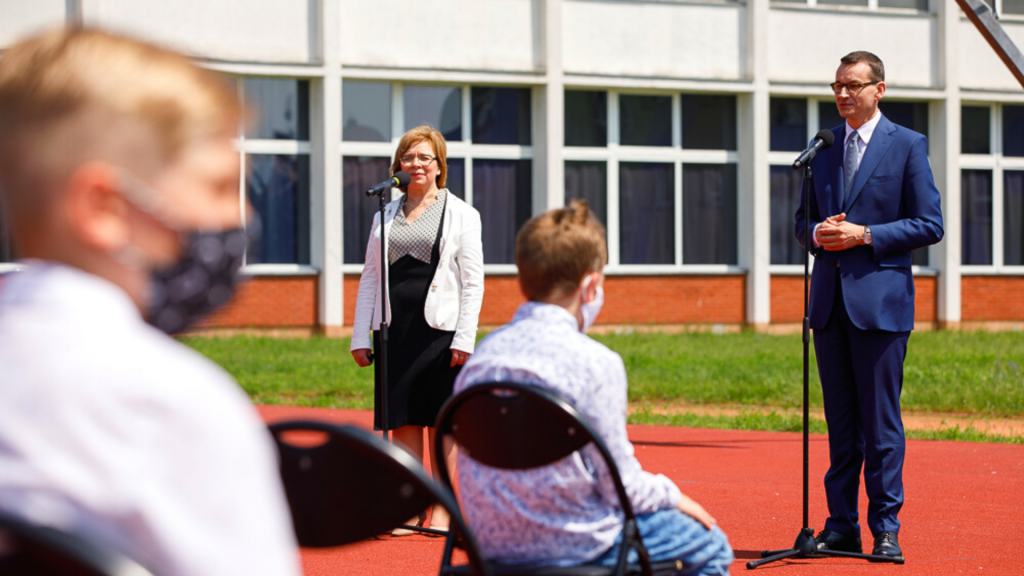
(962,516)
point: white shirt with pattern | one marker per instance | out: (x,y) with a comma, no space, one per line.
(112,429)
(566,513)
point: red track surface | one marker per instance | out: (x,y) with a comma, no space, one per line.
(964,509)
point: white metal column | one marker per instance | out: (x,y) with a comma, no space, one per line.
(326,177)
(549,121)
(754,186)
(946,256)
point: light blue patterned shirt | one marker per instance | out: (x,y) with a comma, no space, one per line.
(566,513)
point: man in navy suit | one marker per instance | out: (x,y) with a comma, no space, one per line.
(874,201)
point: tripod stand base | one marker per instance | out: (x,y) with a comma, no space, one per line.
(804,547)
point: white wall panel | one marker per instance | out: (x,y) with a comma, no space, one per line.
(270,31)
(979,66)
(19,18)
(658,39)
(806,45)
(494,35)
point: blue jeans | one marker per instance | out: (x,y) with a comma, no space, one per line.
(672,535)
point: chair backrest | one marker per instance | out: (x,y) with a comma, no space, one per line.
(30,550)
(518,426)
(352,485)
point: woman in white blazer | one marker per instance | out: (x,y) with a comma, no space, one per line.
(435,274)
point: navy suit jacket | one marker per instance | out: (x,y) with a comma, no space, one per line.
(893,193)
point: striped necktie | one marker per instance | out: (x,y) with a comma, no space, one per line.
(850,166)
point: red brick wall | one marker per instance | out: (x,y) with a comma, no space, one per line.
(674,299)
(271,301)
(501,298)
(628,299)
(992,298)
(925,303)
(291,301)
(787,298)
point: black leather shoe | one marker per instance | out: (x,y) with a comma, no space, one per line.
(832,540)
(886,545)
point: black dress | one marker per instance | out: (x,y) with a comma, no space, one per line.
(420,375)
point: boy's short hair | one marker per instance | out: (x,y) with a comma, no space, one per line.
(556,249)
(76,95)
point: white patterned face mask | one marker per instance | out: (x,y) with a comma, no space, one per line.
(204,277)
(201,281)
(591,309)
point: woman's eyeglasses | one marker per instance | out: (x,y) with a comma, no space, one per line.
(420,159)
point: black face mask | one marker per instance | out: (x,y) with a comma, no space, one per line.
(203,279)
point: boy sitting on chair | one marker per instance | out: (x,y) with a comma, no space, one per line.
(567,513)
(120,184)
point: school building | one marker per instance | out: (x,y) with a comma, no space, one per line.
(676,119)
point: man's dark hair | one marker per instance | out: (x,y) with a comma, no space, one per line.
(877,68)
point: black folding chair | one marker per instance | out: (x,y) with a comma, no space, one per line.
(30,550)
(516,426)
(351,485)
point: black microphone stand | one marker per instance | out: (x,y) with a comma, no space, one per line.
(383,331)
(805,547)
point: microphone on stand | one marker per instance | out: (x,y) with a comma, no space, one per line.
(822,140)
(400,179)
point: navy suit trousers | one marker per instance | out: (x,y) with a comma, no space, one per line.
(861,375)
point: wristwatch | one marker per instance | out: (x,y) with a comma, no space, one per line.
(867,234)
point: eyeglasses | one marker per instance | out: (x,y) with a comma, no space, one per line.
(422,159)
(853,88)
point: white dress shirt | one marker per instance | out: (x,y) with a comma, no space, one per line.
(568,512)
(112,429)
(864,132)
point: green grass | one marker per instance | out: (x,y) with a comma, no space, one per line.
(978,373)
(298,372)
(946,372)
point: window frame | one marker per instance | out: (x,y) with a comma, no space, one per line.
(464,149)
(996,163)
(1003,15)
(872,7)
(246,146)
(613,153)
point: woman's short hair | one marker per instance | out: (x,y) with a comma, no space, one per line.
(556,249)
(420,134)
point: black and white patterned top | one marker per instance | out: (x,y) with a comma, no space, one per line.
(417,238)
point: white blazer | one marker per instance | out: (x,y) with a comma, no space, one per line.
(457,290)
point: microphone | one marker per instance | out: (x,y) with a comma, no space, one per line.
(397,181)
(822,140)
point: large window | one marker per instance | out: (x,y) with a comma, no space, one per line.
(659,170)
(794,121)
(1013,8)
(490,155)
(276,177)
(992,187)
